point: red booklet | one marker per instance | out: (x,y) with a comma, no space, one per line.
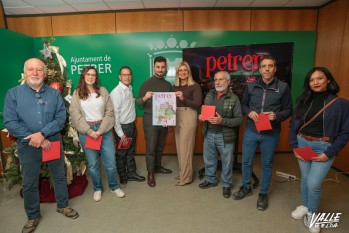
(208,111)
(94,144)
(263,123)
(125,144)
(306,153)
(53,153)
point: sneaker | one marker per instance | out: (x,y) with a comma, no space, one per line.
(119,193)
(262,203)
(30,225)
(243,192)
(68,212)
(299,212)
(97,196)
(314,228)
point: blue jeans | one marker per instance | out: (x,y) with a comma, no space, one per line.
(267,141)
(213,144)
(107,153)
(30,160)
(313,174)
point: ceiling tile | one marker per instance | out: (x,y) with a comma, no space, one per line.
(71,2)
(268,3)
(57,9)
(161,4)
(125,5)
(91,7)
(25,11)
(45,2)
(14,3)
(197,3)
(235,3)
(297,3)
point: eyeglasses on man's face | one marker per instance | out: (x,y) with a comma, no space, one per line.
(41,101)
(126,75)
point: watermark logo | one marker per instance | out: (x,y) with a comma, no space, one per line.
(325,220)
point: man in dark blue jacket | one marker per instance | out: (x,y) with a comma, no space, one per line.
(271,97)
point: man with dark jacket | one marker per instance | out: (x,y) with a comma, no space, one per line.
(220,132)
(271,97)
(155,136)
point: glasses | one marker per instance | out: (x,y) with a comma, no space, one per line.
(90,75)
(41,101)
(126,75)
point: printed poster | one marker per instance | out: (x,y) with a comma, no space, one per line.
(164,108)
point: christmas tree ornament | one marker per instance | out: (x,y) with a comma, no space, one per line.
(57,85)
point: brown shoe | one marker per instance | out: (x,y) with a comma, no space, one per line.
(151,179)
(30,225)
(68,212)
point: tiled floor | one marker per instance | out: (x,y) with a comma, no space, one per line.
(173,209)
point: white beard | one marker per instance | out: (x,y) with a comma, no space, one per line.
(222,88)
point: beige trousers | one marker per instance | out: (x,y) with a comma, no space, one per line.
(185,130)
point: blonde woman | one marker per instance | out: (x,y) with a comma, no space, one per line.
(189,99)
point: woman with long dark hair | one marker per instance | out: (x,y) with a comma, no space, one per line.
(327,133)
(92,115)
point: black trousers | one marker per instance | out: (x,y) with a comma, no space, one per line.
(155,137)
(125,159)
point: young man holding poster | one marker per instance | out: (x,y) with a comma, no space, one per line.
(35,114)
(220,132)
(125,127)
(272,97)
(155,136)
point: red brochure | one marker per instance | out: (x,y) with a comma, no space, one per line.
(53,153)
(125,144)
(94,144)
(208,111)
(263,123)
(306,153)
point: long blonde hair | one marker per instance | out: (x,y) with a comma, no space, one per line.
(190,77)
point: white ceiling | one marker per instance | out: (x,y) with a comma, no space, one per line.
(38,7)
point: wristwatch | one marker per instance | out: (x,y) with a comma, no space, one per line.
(43,134)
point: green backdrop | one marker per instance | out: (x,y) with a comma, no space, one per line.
(111,51)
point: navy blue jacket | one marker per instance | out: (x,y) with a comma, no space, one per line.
(336,126)
(260,97)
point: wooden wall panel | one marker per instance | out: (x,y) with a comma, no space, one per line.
(228,20)
(149,21)
(83,24)
(283,20)
(342,161)
(36,26)
(2,17)
(330,35)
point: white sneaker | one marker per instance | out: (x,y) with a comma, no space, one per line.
(299,212)
(97,196)
(119,193)
(314,228)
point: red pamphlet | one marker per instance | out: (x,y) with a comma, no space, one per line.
(53,153)
(94,144)
(306,153)
(125,143)
(208,111)
(263,123)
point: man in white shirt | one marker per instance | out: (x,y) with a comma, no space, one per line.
(125,128)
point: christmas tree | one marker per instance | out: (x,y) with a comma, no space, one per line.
(56,77)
